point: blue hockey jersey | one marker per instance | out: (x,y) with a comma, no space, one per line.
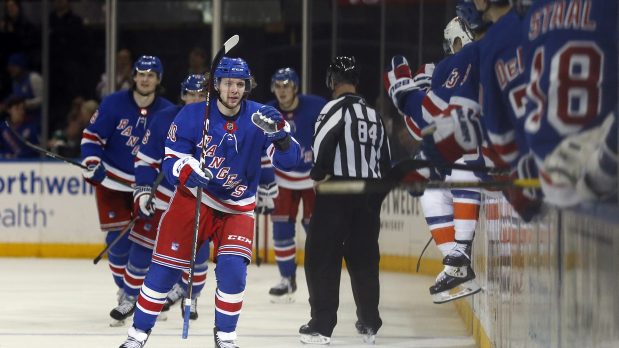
(301,120)
(114,135)
(149,158)
(234,148)
(570,50)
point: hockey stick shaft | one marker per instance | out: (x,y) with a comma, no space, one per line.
(257,241)
(53,154)
(127,228)
(360,186)
(227,46)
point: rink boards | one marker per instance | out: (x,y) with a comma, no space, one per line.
(551,283)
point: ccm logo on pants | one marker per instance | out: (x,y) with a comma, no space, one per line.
(239,238)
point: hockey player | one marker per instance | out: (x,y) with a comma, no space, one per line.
(570,52)
(108,147)
(233,150)
(301,112)
(147,166)
(451,214)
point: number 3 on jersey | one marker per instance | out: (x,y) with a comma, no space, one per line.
(574,87)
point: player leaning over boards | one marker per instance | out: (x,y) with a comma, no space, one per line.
(109,145)
(451,215)
(147,166)
(234,149)
(301,112)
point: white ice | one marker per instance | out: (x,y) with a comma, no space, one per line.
(65,303)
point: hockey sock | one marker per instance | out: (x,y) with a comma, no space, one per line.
(158,283)
(466,212)
(231,273)
(118,256)
(199,271)
(285,247)
(443,233)
(137,267)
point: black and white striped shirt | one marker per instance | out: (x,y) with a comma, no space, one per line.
(350,141)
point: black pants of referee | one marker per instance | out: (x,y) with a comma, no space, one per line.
(343,226)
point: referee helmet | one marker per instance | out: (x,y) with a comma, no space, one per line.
(343,69)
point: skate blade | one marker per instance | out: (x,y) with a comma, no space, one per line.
(465,289)
(117,323)
(315,339)
(283,299)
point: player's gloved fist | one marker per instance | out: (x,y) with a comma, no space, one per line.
(415,181)
(527,202)
(458,133)
(398,80)
(141,205)
(266,193)
(188,172)
(423,77)
(273,125)
(95,172)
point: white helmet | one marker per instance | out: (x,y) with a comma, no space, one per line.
(456,28)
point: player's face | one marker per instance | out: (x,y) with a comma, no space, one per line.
(146,82)
(285,92)
(194,97)
(231,91)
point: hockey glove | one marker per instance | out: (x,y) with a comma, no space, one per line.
(95,173)
(423,77)
(273,125)
(457,133)
(527,202)
(188,172)
(265,204)
(398,80)
(141,206)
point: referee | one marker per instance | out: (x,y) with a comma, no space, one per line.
(349,143)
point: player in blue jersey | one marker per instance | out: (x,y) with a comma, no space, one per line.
(108,147)
(290,188)
(239,132)
(451,214)
(147,166)
(570,51)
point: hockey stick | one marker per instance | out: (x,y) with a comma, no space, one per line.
(257,241)
(228,45)
(128,228)
(360,186)
(54,155)
(422,252)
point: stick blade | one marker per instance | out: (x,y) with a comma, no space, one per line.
(230,43)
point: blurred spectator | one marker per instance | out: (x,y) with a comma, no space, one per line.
(10,146)
(67,57)
(124,74)
(27,85)
(66,141)
(198,61)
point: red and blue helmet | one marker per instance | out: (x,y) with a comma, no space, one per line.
(286,75)
(148,63)
(235,68)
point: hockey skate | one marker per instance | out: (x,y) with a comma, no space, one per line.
(368,335)
(284,291)
(193,309)
(224,339)
(174,295)
(135,339)
(124,310)
(457,279)
(310,336)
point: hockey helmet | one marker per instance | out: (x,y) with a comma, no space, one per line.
(472,18)
(148,63)
(456,28)
(342,69)
(193,83)
(235,68)
(285,75)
